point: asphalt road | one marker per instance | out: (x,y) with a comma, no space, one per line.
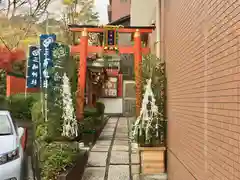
(27,168)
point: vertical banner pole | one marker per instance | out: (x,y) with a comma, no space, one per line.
(26,76)
(26,72)
(41,80)
(138,70)
(46,61)
(82,74)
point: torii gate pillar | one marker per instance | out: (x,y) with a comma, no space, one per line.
(138,70)
(84,49)
(82,74)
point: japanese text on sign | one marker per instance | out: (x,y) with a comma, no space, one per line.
(110,87)
(33,75)
(46,56)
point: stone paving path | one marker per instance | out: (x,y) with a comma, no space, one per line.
(112,157)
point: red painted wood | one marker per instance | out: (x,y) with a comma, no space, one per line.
(121,30)
(17,85)
(83,49)
(112,72)
(100,49)
(24,139)
(120,85)
(138,72)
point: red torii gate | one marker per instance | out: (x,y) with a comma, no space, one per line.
(83,48)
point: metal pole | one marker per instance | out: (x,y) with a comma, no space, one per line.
(45,89)
(26,78)
(47,22)
(41,81)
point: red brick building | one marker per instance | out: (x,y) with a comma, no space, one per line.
(200,43)
(202,55)
(118,9)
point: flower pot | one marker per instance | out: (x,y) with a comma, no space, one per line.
(77,170)
(152,160)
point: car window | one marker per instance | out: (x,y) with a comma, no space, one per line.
(15,126)
(5,125)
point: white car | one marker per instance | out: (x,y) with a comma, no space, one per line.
(11,150)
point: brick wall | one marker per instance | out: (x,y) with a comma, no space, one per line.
(202,44)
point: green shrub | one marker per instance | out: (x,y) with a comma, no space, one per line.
(3,103)
(88,124)
(100,108)
(56,158)
(37,114)
(53,125)
(41,132)
(90,112)
(20,106)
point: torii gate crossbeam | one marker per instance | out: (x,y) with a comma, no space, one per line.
(83,49)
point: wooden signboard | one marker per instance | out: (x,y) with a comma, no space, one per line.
(110,88)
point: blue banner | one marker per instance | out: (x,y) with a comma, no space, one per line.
(33,69)
(46,56)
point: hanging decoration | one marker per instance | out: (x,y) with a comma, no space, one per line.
(70,126)
(111,37)
(147,124)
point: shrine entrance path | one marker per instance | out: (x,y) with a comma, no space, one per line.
(113,156)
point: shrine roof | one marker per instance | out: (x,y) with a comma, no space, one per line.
(120,20)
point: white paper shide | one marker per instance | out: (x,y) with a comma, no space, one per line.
(70,126)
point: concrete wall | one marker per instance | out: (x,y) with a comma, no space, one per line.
(202,41)
(113,105)
(143,12)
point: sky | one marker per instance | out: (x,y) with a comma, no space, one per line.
(56,6)
(101,7)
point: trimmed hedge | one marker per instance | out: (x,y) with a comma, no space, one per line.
(90,112)
(3,103)
(19,105)
(100,108)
